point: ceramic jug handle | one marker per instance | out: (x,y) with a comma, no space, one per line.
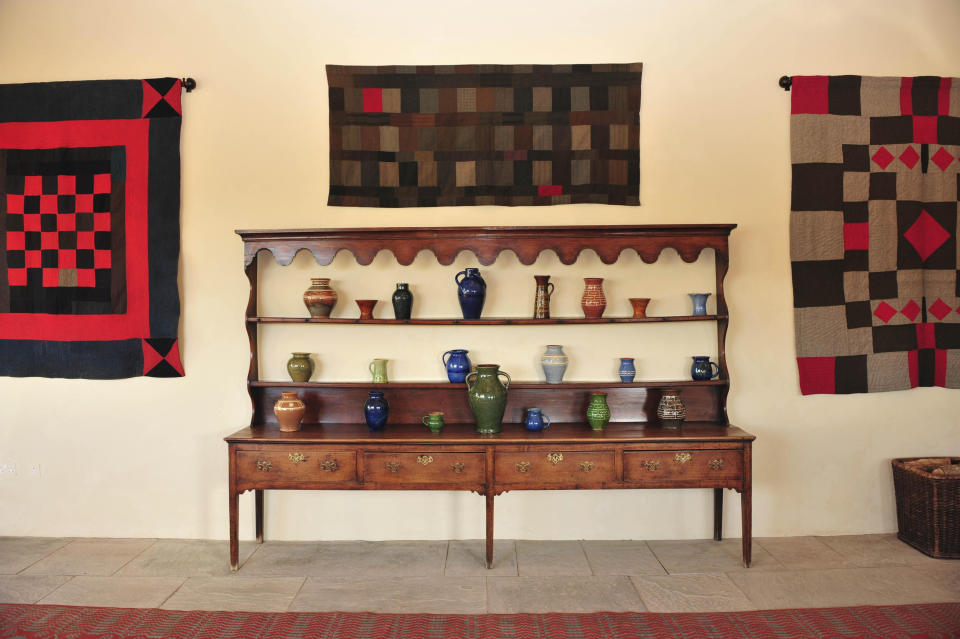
(423,420)
(370,367)
(466,380)
(505,375)
(549,289)
(717,373)
(547,422)
(457,277)
(445,357)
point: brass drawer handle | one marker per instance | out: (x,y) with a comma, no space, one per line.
(715,464)
(682,458)
(329,465)
(586,466)
(651,465)
(554,458)
(522,467)
(296,458)
(457,467)
(264,465)
(424,460)
(393,467)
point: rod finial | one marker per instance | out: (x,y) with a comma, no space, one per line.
(785,82)
(189,84)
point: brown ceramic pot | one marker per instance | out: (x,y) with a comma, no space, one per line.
(320,298)
(639,305)
(289,410)
(366,308)
(593,301)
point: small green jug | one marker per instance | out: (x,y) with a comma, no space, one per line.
(487,396)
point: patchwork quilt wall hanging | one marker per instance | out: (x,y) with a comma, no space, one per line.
(90,228)
(873,232)
(484,134)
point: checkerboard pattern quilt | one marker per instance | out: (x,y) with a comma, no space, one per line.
(484,134)
(873,232)
(89,228)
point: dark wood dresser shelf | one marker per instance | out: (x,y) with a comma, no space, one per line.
(335,451)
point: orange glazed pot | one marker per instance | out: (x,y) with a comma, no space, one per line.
(593,302)
(320,298)
(289,410)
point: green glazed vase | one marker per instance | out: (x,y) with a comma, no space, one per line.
(487,396)
(300,367)
(598,413)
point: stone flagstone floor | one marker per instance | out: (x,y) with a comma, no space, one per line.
(449,577)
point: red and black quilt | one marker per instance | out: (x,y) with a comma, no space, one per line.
(90,228)
(873,232)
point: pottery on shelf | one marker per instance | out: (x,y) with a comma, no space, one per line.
(471,292)
(376,410)
(627,370)
(593,301)
(541,298)
(320,298)
(703,369)
(536,420)
(289,410)
(300,367)
(699,302)
(554,362)
(378,369)
(639,305)
(366,308)
(457,364)
(671,410)
(402,300)
(433,420)
(487,397)
(598,413)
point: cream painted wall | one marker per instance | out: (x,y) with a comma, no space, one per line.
(144,457)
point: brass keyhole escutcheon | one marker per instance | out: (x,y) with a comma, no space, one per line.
(651,465)
(554,458)
(264,465)
(715,464)
(682,458)
(393,467)
(586,466)
(329,465)
(522,467)
(296,458)
(457,467)
(425,460)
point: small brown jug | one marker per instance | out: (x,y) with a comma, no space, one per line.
(289,410)
(541,300)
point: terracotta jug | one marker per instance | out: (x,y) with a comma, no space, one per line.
(593,301)
(289,410)
(320,298)
(541,299)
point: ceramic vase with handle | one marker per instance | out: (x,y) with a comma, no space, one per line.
(457,364)
(487,397)
(300,367)
(541,298)
(593,302)
(536,420)
(598,412)
(402,301)
(320,298)
(289,410)
(554,362)
(471,292)
(703,369)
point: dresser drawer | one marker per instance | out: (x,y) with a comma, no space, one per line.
(555,467)
(297,465)
(682,465)
(424,468)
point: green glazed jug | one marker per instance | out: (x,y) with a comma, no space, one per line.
(487,396)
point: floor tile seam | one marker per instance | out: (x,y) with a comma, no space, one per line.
(643,602)
(655,556)
(303,583)
(175,591)
(124,564)
(69,541)
(69,579)
(443,564)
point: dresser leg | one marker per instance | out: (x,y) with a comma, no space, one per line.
(489,530)
(258,500)
(717,514)
(745,508)
(234,523)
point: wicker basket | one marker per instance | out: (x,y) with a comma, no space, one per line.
(928,509)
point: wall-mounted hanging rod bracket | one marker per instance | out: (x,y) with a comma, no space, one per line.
(785,82)
(189,84)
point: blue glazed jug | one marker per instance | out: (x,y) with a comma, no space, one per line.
(703,368)
(536,420)
(627,370)
(376,410)
(471,292)
(457,364)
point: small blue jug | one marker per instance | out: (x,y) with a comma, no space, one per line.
(536,420)
(702,368)
(457,363)
(471,292)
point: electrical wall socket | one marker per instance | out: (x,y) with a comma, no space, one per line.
(8,469)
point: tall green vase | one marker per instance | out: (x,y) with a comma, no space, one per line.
(487,396)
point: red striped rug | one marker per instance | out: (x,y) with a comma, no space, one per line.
(62,622)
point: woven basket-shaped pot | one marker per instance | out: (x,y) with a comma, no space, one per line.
(928,509)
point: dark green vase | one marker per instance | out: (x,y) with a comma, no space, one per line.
(487,396)
(402,301)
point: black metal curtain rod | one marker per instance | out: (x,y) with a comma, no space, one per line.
(785,82)
(189,84)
